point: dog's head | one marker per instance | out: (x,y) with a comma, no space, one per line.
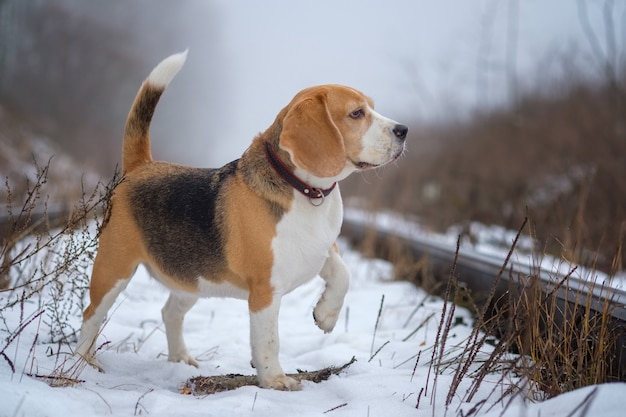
(331,131)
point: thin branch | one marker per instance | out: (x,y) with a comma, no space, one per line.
(206,385)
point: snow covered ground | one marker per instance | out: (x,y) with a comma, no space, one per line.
(140,381)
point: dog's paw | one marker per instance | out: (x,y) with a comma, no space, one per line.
(325,318)
(92,361)
(281,383)
(183,357)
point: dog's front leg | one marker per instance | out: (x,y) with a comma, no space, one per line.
(265,346)
(173,315)
(337,278)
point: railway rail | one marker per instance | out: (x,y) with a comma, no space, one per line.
(478,272)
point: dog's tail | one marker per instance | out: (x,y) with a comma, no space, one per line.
(136,149)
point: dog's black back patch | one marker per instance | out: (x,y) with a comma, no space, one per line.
(178,218)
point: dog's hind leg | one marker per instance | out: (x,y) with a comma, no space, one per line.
(103,291)
(115,263)
(173,313)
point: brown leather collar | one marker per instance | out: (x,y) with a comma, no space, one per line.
(291,178)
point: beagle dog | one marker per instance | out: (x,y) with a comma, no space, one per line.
(254,229)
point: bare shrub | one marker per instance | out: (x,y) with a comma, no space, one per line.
(46,262)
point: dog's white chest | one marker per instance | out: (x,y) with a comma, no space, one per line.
(303,239)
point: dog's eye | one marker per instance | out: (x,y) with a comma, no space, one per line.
(357,114)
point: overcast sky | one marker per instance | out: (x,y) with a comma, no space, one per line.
(417,59)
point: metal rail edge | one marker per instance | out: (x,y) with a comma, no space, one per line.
(478,272)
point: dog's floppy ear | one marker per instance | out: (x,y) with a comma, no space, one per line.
(312,138)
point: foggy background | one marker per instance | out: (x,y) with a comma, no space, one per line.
(73,67)
(515,108)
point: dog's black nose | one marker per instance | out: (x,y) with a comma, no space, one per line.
(400,131)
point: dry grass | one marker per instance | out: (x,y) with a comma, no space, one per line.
(566,343)
(538,339)
(45,263)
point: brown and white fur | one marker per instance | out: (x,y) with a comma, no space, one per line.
(241,230)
